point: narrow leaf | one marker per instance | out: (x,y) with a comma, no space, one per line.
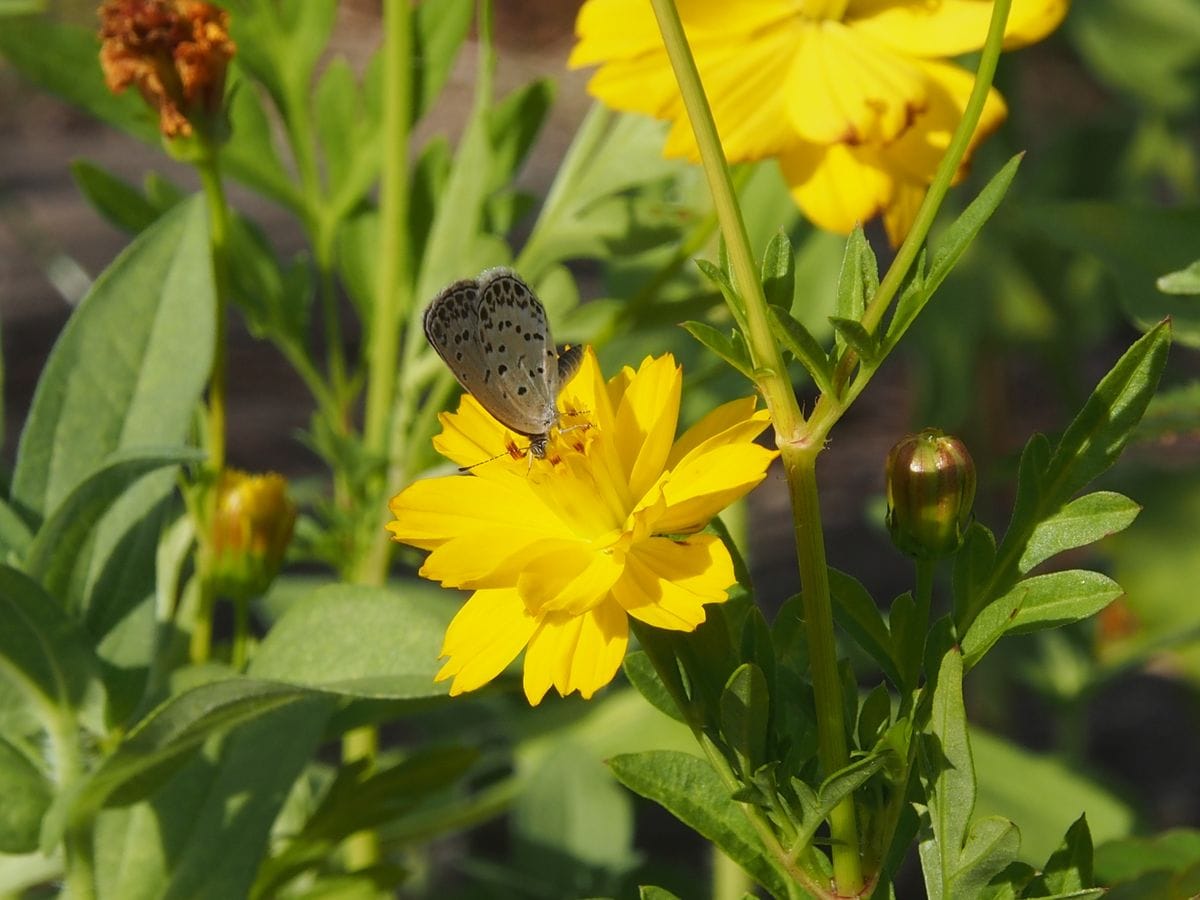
(1081,522)
(955,239)
(745,714)
(719,276)
(721,344)
(779,271)
(798,341)
(852,333)
(855,610)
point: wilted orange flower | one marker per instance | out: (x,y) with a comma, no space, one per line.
(175,51)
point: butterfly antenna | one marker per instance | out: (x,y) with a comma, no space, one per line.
(482,462)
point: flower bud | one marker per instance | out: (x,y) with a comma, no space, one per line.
(251,532)
(176,53)
(930,489)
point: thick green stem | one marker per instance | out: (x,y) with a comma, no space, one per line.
(800,467)
(799,456)
(924,597)
(79,857)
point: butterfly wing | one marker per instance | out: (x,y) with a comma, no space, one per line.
(521,362)
(452,329)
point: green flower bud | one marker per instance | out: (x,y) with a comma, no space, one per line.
(251,532)
(930,490)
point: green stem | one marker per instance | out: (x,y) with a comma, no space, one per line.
(79,856)
(831,406)
(200,645)
(239,651)
(361,848)
(800,466)
(799,455)
(924,598)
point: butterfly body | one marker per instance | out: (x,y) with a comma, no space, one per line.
(493,334)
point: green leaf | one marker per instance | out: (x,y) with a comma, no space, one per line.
(955,239)
(874,716)
(205,833)
(27,795)
(118,201)
(719,276)
(130,365)
(1081,522)
(514,124)
(62,59)
(857,282)
(973,565)
(641,674)
(948,774)
(745,715)
(1042,601)
(349,133)
(691,791)
(779,272)
(851,333)
(913,298)
(855,610)
(724,345)
(650,892)
(438,31)
(1069,868)
(14,532)
(163,741)
(1125,858)
(361,641)
(798,341)
(1185,281)
(908,640)
(250,155)
(43,651)
(54,551)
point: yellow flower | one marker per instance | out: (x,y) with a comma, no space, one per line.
(854,97)
(251,532)
(560,551)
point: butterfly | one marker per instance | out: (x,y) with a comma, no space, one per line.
(493,334)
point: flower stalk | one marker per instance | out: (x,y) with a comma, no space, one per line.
(798,455)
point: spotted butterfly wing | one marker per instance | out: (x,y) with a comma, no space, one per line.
(493,334)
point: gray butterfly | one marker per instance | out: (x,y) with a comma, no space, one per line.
(492,333)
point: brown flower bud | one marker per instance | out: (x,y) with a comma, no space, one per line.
(930,490)
(175,52)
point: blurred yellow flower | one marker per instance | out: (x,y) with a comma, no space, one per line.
(560,551)
(853,97)
(251,531)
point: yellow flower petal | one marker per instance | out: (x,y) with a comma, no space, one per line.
(488,558)
(944,28)
(666,583)
(567,577)
(732,422)
(848,88)
(434,510)
(646,419)
(838,187)
(708,482)
(576,653)
(483,638)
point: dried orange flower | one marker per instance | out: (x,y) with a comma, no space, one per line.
(175,51)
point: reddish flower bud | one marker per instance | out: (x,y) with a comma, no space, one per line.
(930,490)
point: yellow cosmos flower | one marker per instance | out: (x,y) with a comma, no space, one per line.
(561,551)
(854,97)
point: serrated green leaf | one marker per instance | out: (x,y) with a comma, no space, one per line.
(798,341)
(689,789)
(746,713)
(955,239)
(721,344)
(1042,601)
(1083,521)
(855,610)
